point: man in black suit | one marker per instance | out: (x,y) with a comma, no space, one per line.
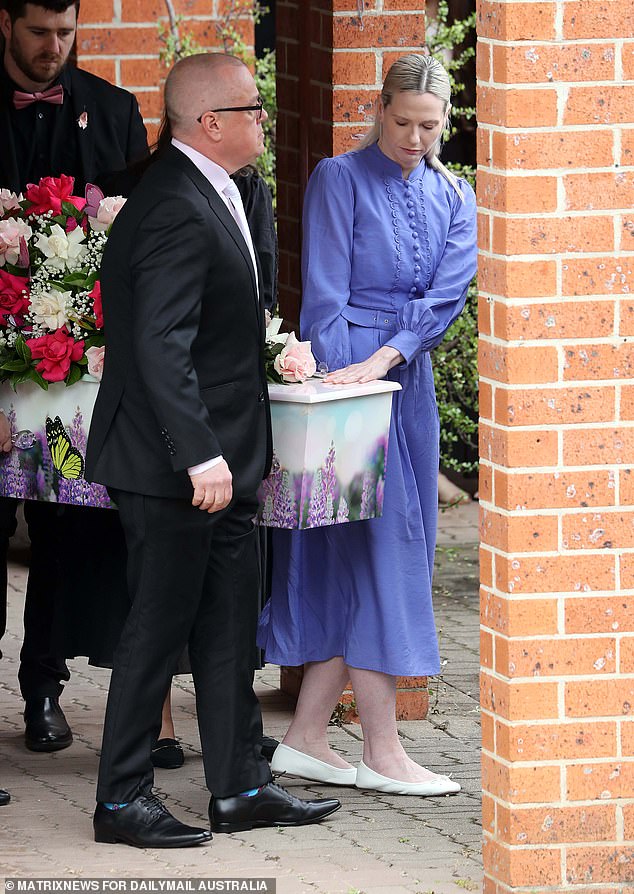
(181,436)
(54,119)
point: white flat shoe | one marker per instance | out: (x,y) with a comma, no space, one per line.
(296,763)
(440,785)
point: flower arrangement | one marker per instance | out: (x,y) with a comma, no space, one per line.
(51,244)
(286,359)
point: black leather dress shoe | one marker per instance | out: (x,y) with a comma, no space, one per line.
(269,744)
(167,754)
(272,806)
(5,797)
(145,822)
(46,727)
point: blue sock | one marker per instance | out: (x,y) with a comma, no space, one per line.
(251,792)
(111,806)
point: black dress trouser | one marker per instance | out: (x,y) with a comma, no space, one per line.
(41,671)
(193,578)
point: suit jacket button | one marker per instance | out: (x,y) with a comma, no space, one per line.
(261,397)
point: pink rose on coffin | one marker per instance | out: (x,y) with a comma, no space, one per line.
(108,209)
(95,358)
(295,362)
(12,231)
(9,201)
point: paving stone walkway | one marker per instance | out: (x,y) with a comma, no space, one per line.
(376,844)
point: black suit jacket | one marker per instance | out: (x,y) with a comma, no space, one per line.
(184,376)
(114,137)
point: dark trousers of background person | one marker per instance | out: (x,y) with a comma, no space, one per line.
(193,577)
(76,596)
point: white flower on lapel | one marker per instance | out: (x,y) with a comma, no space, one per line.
(83,120)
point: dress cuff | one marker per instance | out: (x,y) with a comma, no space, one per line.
(202,467)
(407,343)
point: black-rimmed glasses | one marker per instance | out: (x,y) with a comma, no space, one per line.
(256,108)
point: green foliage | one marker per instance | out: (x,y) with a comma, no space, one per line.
(456,379)
(456,358)
(178,43)
(446,41)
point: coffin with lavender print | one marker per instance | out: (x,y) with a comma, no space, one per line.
(329,454)
(49,468)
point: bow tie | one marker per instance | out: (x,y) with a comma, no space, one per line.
(54,95)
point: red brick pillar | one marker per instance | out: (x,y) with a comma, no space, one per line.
(556,189)
(119,40)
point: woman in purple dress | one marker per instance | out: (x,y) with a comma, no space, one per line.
(389,251)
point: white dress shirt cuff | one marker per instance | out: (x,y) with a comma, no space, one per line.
(202,467)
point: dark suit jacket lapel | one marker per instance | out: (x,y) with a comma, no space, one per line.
(82,101)
(220,210)
(9,174)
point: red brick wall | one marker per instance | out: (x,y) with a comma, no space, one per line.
(556,189)
(331,61)
(119,40)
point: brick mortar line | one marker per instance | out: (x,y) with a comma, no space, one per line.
(537,597)
(563,86)
(518,173)
(562,257)
(557,44)
(554,427)
(602,509)
(378,13)
(559,300)
(561,342)
(587,128)
(564,804)
(561,763)
(559,677)
(573,213)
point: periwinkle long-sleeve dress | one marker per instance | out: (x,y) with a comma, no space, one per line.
(386,261)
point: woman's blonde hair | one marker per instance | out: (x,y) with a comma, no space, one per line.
(417,74)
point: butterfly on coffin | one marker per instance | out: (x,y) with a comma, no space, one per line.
(67,460)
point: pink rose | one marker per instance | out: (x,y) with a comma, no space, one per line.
(13,233)
(97,307)
(295,362)
(108,209)
(95,358)
(9,201)
(49,194)
(14,297)
(55,353)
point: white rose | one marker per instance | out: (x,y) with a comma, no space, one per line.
(62,249)
(11,231)
(106,213)
(49,308)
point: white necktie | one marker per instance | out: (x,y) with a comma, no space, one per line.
(236,207)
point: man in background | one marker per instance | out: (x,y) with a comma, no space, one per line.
(54,119)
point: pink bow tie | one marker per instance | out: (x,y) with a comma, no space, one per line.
(54,95)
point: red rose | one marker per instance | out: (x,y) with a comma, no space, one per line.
(13,301)
(49,194)
(98,309)
(55,353)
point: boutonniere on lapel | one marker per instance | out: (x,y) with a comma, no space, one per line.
(82,121)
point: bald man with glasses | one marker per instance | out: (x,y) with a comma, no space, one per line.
(181,436)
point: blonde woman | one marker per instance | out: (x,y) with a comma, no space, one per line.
(389,250)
